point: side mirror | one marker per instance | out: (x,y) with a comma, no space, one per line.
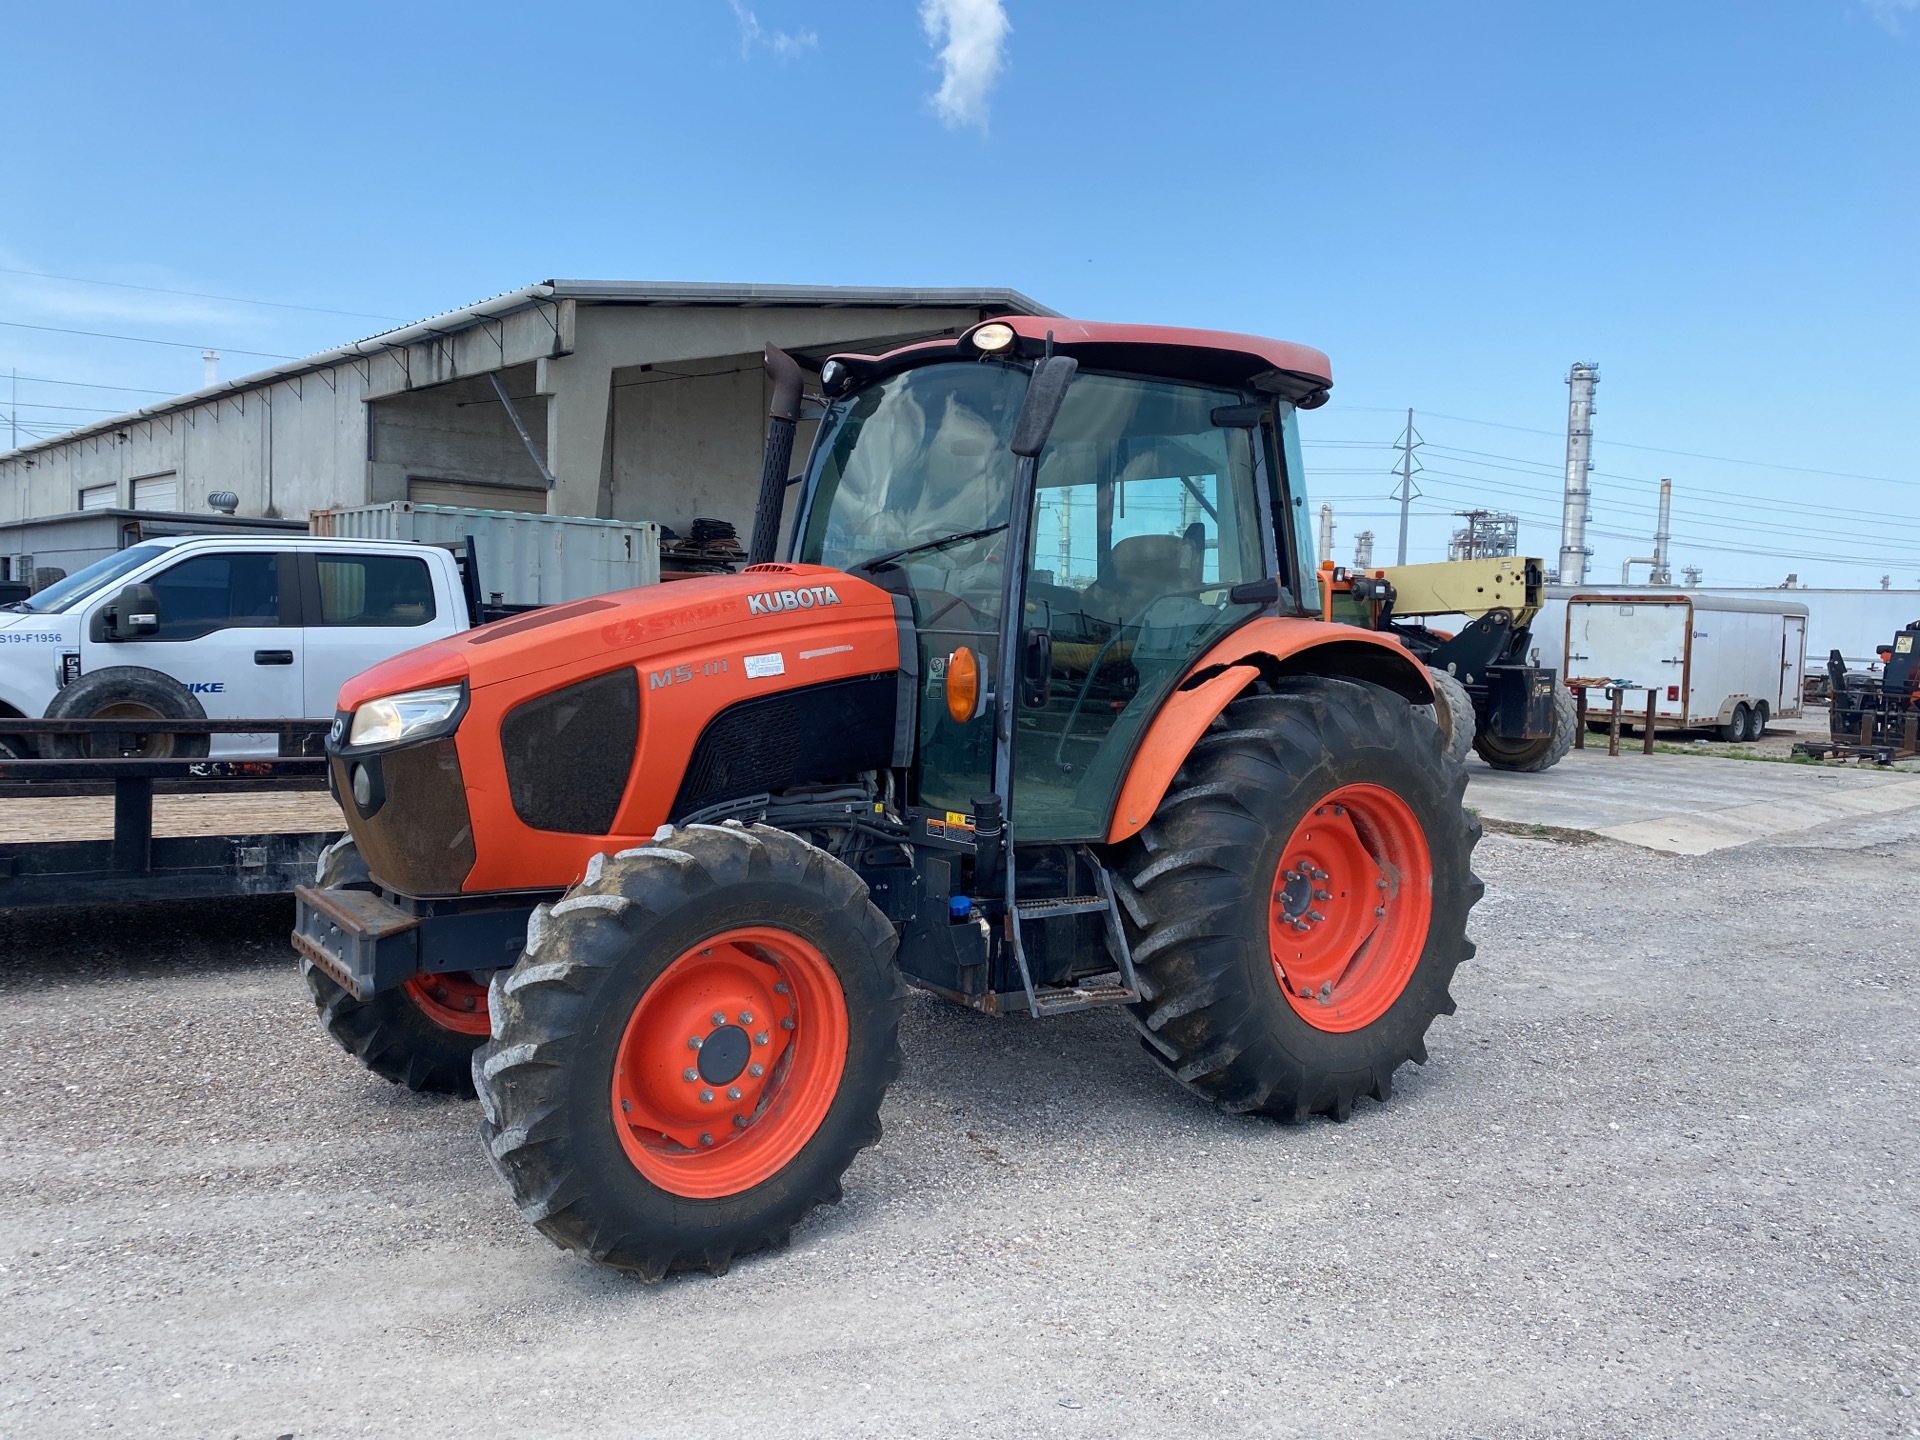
(135,612)
(1046,392)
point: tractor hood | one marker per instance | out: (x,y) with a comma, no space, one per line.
(750,612)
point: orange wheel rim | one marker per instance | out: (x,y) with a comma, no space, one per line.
(729,1062)
(452,1001)
(1352,901)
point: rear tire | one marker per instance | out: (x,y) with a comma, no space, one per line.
(601,1113)
(1535,755)
(127,692)
(1757,720)
(1208,892)
(1735,730)
(422,1034)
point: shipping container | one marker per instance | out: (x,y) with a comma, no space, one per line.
(523,559)
(1710,660)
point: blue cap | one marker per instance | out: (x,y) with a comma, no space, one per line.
(959,907)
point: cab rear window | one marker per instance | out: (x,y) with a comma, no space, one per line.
(386,590)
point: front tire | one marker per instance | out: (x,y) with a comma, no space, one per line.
(1535,755)
(422,1034)
(692,1049)
(1313,841)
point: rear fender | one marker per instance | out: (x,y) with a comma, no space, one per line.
(1269,647)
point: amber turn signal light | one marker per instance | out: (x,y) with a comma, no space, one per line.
(963,685)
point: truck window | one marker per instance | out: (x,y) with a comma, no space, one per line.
(392,590)
(217,592)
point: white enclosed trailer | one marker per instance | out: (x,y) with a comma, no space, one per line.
(523,559)
(1710,660)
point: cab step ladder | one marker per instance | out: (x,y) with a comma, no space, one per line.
(1093,991)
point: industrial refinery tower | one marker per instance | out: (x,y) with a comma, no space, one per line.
(1575,513)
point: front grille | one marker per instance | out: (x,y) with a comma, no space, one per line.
(798,737)
(569,753)
(419,839)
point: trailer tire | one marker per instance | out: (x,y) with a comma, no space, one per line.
(1535,755)
(615,1088)
(1207,889)
(1735,730)
(395,1033)
(127,692)
(1452,710)
(1757,719)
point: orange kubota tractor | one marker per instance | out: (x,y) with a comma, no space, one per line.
(1034,716)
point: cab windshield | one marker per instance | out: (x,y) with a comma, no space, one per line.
(58,597)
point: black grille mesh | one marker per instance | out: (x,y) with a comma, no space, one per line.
(569,753)
(820,732)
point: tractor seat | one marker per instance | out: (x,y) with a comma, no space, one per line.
(1139,568)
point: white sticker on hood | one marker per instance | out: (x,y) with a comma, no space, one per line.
(761,666)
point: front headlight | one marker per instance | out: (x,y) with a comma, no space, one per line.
(393,718)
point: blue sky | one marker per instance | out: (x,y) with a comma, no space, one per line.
(1715,201)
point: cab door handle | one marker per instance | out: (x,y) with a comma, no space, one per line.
(273,657)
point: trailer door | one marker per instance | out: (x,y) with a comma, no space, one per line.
(1640,640)
(1793,663)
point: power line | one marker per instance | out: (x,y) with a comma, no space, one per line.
(1651,449)
(199,295)
(146,340)
(93,385)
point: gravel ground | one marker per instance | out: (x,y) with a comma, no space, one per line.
(1656,1181)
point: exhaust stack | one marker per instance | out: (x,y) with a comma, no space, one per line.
(1658,572)
(783,418)
(1574,512)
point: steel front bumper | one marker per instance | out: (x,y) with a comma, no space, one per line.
(366,943)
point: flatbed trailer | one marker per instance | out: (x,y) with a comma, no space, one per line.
(177,829)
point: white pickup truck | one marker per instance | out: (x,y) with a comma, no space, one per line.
(203,627)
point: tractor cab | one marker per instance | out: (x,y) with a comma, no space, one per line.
(1157,515)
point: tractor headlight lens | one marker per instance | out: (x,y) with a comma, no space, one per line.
(393,718)
(993,338)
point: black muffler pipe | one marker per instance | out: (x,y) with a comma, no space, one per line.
(783,417)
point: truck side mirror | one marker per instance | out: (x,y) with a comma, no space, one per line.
(135,612)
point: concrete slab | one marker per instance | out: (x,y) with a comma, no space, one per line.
(1687,804)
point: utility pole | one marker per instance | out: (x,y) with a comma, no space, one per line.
(1408,441)
(13,413)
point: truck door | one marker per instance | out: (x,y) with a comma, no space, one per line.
(363,607)
(227,632)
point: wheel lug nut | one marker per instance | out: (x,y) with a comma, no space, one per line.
(761,1038)
(746,1017)
(733,1092)
(1323,894)
(780,987)
(689,1073)
(786,1022)
(756,1070)
(705,1139)
(626,1107)
(1379,912)
(1315,915)
(693,1042)
(706,1097)
(719,1017)
(1381,883)
(739,1122)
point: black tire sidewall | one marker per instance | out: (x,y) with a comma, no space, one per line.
(624,1198)
(123,684)
(1425,790)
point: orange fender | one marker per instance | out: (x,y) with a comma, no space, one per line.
(1291,646)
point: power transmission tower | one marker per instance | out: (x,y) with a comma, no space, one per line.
(1409,467)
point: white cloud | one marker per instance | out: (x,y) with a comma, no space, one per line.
(1888,13)
(971,36)
(783,43)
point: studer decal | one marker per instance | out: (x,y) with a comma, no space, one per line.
(772,602)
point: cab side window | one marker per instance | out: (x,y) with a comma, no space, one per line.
(389,590)
(217,592)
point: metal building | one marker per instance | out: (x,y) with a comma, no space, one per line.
(641,401)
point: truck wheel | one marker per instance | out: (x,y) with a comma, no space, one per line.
(127,692)
(1299,901)
(692,1049)
(1534,755)
(1757,720)
(421,1035)
(1452,711)
(1736,727)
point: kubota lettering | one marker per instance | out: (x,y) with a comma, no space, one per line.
(773,602)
